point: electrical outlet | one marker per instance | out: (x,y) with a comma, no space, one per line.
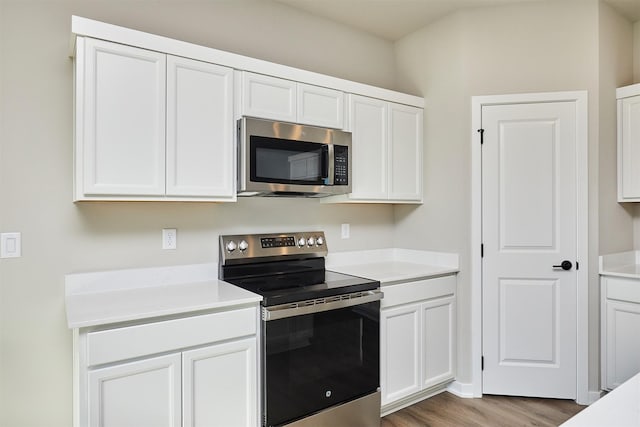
(169,238)
(345,231)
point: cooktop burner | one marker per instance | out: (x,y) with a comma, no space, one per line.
(284,268)
(286,288)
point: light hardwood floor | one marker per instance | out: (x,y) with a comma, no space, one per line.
(447,410)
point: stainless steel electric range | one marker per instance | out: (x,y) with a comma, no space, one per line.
(320,330)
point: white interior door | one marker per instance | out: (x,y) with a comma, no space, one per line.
(529,225)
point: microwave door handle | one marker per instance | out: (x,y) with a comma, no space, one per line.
(327,164)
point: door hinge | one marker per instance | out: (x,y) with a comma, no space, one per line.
(481,250)
(482,363)
(481,131)
(577,265)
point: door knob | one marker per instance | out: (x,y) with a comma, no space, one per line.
(565,265)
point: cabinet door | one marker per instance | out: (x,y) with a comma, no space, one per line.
(121,119)
(144,393)
(622,342)
(220,385)
(400,352)
(268,97)
(629,149)
(438,341)
(368,118)
(320,106)
(200,130)
(405,142)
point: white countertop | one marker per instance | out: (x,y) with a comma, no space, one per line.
(100,298)
(394,265)
(619,408)
(623,264)
(123,295)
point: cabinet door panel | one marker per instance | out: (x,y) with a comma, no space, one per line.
(268,97)
(220,385)
(123,138)
(200,138)
(405,142)
(438,341)
(629,149)
(623,342)
(319,106)
(145,393)
(369,148)
(400,353)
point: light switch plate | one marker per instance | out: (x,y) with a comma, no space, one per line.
(10,245)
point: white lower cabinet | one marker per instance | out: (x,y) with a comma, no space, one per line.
(400,356)
(620,326)
(418,333)
(219,385)
(125,377)
(137,394)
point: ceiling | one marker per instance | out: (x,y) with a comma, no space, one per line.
(394,19)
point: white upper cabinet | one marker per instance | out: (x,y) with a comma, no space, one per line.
(120,116)
(151,126)
(320,106)
(268,97)
(200,130)
(274,98)
(405,147)
(369,148)
(386,152)
(629,143)
(155,120)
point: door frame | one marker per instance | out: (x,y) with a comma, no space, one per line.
(580,99)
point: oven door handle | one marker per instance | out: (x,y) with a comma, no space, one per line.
(318,305)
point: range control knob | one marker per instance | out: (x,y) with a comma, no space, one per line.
(311,241)
(301,242)
(243,245)
(319,241)
(231,246)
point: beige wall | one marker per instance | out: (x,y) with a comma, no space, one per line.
(531,47)
(616,69)
(60,237)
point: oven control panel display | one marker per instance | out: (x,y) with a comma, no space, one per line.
(277,242)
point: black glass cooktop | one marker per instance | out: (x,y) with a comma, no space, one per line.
(284,287)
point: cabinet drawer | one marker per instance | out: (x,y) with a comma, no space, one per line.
(404,293)
(141,340)
(623,289)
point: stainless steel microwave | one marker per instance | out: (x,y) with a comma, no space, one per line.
(286,159)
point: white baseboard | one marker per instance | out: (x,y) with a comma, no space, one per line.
(412,399)
(465,390)
(594,396)
(459,389)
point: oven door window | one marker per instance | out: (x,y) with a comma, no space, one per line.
(283,161)
(318,360)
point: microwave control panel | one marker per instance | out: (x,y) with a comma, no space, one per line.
(341,165)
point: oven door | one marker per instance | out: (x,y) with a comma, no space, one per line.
(319,359)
